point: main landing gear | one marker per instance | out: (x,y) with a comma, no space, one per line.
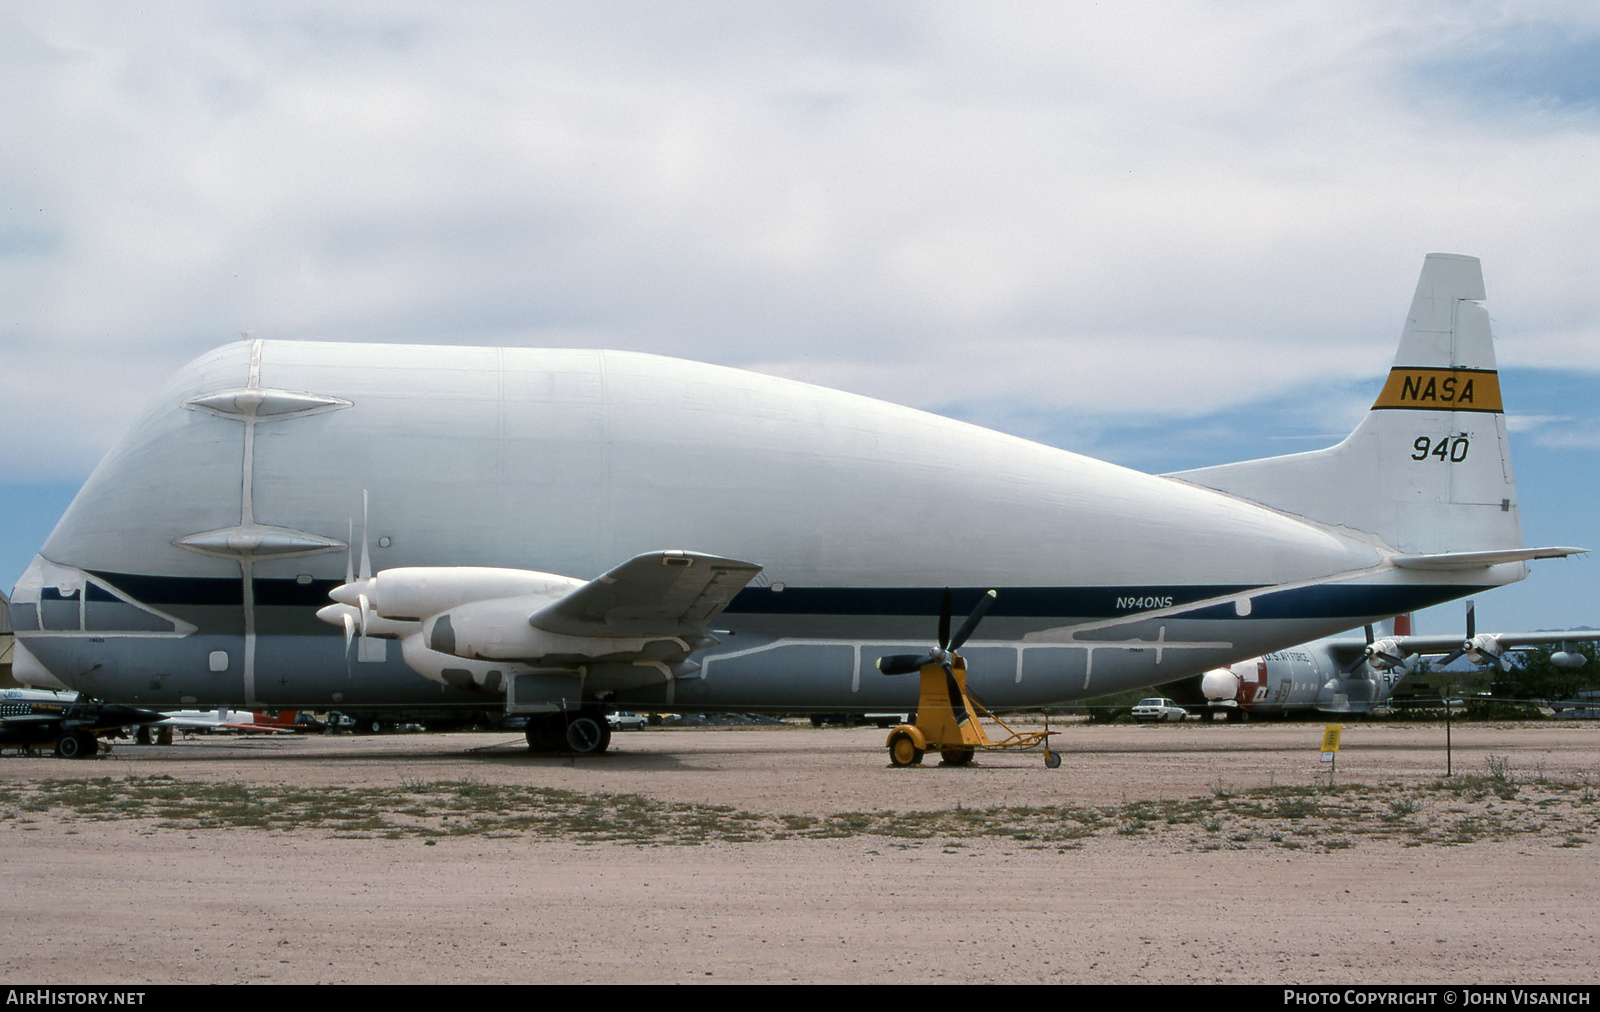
(77,745)
(582,732)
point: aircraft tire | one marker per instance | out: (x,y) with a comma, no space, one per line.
(903,750)
(588,733)
(956,756)
(77,745)
(546,733)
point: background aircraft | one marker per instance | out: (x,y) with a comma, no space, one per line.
(62,720)
(224,720)
(193,567)
(1354,674)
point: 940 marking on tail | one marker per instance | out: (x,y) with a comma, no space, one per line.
(1451,448)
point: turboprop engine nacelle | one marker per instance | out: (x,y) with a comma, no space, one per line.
(1485,648)
(410,594)
(1387,654)
(499,630)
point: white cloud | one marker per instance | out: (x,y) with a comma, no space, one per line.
(1019,208)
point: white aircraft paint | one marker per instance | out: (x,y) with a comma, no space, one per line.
(192,567)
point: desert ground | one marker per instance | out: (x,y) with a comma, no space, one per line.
(1183,853)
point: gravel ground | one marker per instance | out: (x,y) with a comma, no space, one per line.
(1190,853)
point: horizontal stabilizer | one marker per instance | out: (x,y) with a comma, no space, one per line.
(1479,560)
(659,593)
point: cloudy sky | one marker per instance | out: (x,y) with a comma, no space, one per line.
(1167,234)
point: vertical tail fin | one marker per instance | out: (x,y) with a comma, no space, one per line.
(1428,470)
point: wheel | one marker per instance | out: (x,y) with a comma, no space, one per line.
(76,745)
(1052,759)
(903,750)
(546,733)
(956,756)
(588,734)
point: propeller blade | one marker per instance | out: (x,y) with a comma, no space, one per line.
(350,554)
(1450,658)
(902,664)
(1472,619)
(957,707)
(366,559)
(349,631)
(944,622)
(970,626)
(1363,658)
(366,612)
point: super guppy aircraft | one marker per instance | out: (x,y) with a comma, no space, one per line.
(359,526)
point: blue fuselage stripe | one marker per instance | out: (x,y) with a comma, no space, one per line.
(1347,600)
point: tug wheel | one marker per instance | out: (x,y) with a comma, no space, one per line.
(903,750)
(956,756)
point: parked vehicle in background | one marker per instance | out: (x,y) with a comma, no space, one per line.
(884,720)
(1157,708)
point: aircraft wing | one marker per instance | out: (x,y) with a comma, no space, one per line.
(655,594)
(1540,639)
(1450,643)
(1346,651)
(1429,644)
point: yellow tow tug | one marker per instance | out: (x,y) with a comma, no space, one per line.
(948,715)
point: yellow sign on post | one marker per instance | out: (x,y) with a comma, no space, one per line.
(1330,747)
(1330,739)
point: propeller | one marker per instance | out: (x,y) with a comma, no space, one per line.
(944,654)
(1382,655)
(1485,649)
(905,664)
(349,577)
(356,587)
(353,606)
(1365,656)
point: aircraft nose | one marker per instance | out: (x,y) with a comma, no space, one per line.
(1219,684)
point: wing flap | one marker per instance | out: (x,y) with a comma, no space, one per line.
(655,594)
